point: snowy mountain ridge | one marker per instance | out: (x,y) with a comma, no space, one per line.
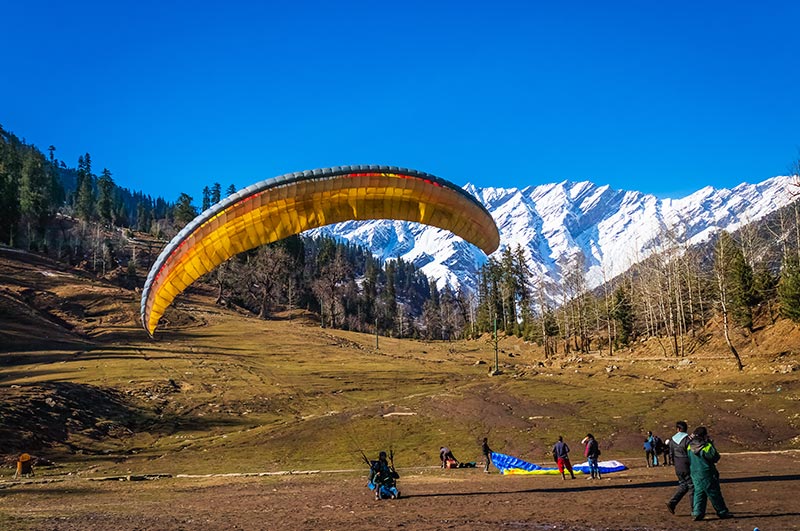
(611,229)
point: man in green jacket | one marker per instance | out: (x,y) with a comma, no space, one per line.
(705,477)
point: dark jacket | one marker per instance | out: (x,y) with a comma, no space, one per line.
(678,450)
(561,450)
(592,449)
(485,448)
(380,473)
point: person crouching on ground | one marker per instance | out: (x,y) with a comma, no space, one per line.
(592,453)
(383,478)
(561,457)
(703,457)
(447,458)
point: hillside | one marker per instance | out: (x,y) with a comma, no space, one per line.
(83,386)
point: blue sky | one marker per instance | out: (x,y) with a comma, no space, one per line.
(173,96)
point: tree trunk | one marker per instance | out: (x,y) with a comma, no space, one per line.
(724,310)
(728,340)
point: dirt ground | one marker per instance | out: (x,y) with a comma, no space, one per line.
(82,386)
(760,489)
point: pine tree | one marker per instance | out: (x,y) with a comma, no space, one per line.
(551,332)
(143,217)
(623,315)
(216,192)
(10,169)
(789,288)
(230,190)
(509,289)
(523,275)
(738,277)
(183,212)
(85,199)
(34,194)
(206,198)
(726,256)
(388,299)
(105,202)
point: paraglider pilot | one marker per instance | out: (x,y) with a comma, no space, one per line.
(383,478)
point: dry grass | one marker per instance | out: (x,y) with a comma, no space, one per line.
(222,392)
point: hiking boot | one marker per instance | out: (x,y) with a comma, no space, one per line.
(725,516)
(698,517)
(671,508)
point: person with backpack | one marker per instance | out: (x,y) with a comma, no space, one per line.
(592,453)
(383,478)
(703,457)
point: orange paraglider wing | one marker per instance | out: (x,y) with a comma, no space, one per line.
(276,208)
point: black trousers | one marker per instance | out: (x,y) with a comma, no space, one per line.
(685,486)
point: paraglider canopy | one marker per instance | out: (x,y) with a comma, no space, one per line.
(276,208)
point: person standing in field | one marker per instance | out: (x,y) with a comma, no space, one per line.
(678,449)
(561,457)
(703,457)
(487,455)
(592,453)
(650,450)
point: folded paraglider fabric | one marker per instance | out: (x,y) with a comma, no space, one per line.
(508,464)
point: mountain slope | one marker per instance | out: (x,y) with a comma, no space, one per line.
(610,229)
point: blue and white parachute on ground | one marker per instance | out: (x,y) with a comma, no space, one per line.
(508,464)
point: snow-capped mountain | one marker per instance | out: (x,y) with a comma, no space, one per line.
(612,229)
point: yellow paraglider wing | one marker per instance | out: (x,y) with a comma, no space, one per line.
(280,207)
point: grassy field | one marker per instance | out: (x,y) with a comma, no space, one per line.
(219,391)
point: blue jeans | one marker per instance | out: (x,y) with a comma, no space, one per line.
(384,490)
(593,467)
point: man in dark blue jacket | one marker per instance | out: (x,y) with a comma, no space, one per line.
(561,457)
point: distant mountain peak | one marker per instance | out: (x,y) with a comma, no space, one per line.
(612,229)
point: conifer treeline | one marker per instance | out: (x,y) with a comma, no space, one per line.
(84,219)
(345,284)
(34,189)
(669,297)
(87,220)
